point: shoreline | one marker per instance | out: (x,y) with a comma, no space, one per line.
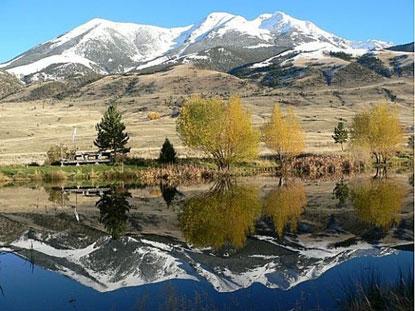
(150,172)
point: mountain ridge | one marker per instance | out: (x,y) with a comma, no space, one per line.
(180,261)
(104,47)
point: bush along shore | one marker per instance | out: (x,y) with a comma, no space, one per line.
(222,130)
(149,172)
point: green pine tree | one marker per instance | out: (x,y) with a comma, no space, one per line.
(111,133)
(167,153)
(341,134)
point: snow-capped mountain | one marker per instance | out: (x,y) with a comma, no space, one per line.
(106,47)
(107,265)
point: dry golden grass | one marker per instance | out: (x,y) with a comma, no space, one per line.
(28,129)
(3,178)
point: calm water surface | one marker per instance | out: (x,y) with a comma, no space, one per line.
(246,244)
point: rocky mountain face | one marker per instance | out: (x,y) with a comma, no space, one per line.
(107,264)
(409,47)
(221,41)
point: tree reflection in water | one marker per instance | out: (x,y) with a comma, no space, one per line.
(169,192)
(284,205)
(57,195)
(114,207)
(341,193)
(378,202)
(221,217)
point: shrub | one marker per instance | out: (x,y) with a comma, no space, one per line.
(57,152)
(341,55)
(152,115)
(36,176)
(54,176)
(370,61)
(3,178)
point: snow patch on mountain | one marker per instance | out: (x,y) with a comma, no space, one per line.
(39,65)
(107,265)
(371,44)
(280,22)
(320,49)
(111,47)
(109,280)
(212,21)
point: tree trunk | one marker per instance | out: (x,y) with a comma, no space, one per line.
(221,164)
(377,158)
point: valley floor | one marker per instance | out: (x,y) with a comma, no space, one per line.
(28,129)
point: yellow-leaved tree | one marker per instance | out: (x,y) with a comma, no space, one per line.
(377,130)
(221,129)
(284,134)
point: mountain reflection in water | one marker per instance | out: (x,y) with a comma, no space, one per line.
(230,235)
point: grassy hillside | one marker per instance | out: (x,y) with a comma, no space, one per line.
(9,84)
(43,114)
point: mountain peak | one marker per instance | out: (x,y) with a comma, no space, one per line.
(212,22)
(281,14)
(215,19)
(282,22)
(104,46)
(96,21)
(219,15)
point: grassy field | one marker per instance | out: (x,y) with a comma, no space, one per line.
(142,172)
(192,170)
(29,128)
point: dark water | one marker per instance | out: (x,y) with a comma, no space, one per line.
(247,244)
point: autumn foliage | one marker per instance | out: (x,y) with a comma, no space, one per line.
(377,130)
(283,134)
(284,205)
(378,202)
(220,129)
(223,217)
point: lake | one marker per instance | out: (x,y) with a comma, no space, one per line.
(252,243)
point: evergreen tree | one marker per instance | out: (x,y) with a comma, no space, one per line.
(111,132)
(340,134)
(167,153)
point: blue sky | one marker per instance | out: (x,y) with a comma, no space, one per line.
(25,23)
